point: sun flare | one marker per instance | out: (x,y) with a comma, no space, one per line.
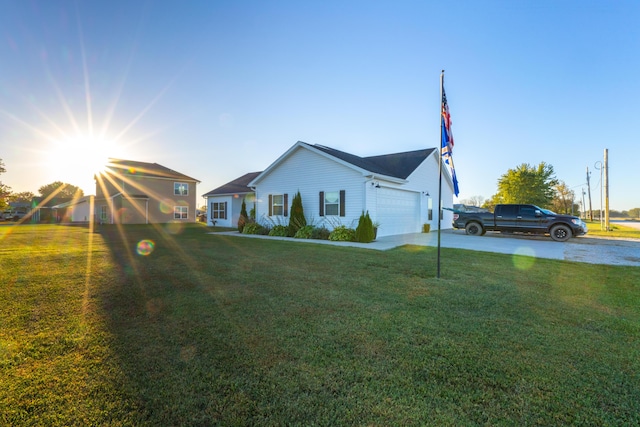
(76,160)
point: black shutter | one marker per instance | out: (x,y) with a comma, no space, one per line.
(322,203)
(270,205)
(286,205)
(342,197)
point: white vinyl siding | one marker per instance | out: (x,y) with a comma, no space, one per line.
(311,173)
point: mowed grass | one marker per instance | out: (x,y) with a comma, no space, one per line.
(616,230)
(224,330)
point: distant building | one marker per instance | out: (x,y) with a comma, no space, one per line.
(132,192)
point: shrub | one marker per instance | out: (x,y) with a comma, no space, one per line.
(342,234)
(254,228)
(296,218)
(364,231)
(320,233)
(305,232)
(242,221)
(279,230)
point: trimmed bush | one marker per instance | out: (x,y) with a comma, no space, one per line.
(342,234)
(254,228)
(242,220)
(364,231)
(296,215)
(279,231)
(305,232)
(320,233)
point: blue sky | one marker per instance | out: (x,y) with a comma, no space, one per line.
(215,89)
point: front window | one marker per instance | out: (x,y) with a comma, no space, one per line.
(181,212)
(180,189)
(331,203)
(103,212)
(278,205)
(219,210)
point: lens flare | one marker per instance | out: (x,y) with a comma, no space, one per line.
(166,206)
(174,227)
(524,258)
(145,247)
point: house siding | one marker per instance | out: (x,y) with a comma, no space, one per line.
(310,173)
(130,208)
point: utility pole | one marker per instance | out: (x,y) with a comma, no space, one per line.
(589,190)
(606,189)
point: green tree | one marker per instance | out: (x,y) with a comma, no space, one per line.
(24,196)
(563,201)
(5,190)
(296,217)
(364,231)
(527,184)
(242,220)
(634,213)
(61,190)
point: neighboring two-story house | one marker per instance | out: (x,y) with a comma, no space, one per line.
(131,192)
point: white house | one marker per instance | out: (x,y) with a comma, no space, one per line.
(398,190)
(225,203)
(76,210)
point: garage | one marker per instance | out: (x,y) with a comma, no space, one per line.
(393,204)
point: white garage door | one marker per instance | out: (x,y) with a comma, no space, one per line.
(398,211)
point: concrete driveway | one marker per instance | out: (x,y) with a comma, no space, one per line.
(581,249)
(593,250)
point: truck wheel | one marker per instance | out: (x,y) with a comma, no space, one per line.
(560,233)
(474,229)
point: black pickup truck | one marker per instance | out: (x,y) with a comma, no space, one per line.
(521,219)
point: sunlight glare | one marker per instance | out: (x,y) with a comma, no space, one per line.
(75,160)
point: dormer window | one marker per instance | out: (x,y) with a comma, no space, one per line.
(180,189)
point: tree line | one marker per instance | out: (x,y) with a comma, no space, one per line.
(538,185)
(58,189)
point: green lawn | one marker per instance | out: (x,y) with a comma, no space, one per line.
(221,330)
(616,230)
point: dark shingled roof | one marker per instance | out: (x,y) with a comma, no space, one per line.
(153,170)
(237,186)
(399,165)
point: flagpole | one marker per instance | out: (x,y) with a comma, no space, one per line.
(440,171)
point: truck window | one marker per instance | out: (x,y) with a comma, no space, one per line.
(527,211)
(507,210)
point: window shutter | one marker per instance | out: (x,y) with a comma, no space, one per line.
(224,210)
(342,197)
(322,203)
(270,205)
(286,205)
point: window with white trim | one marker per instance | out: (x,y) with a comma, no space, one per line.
(332,203)
(277,205)
(181,212)
(104,209)
(180,189)
(219,210)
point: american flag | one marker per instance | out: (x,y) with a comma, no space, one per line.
(447,142)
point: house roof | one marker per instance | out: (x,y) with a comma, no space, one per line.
(152,170)
(237,186)
(398,165)
(73,202)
